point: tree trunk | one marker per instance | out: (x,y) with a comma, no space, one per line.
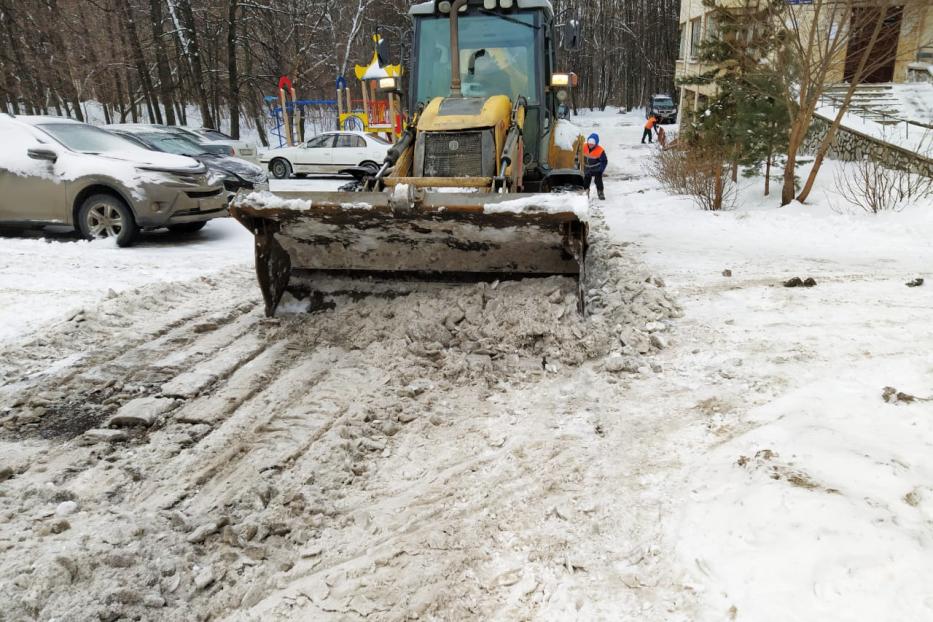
(165,74)
(193,53)
(19,73)
(233,77)
(843,108)
(63,66)
(139,60)
(768,174)
(719,189)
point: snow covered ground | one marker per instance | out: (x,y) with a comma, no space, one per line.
(471,453)
(806,494)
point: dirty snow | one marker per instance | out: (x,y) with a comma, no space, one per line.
(573,202)
(700,447)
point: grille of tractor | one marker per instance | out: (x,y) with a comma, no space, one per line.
(453,154)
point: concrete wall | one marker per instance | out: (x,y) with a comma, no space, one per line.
(916,33)
(851,146)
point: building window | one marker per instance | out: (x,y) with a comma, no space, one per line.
(712,29)
(696,28)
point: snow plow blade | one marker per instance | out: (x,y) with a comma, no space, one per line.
(411,235)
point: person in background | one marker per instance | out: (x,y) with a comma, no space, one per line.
(652,121)
(595,162)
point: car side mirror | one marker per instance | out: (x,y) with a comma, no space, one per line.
(572,39)
(42,153)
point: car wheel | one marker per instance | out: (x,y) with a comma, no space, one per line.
(187,227)
(370,164)
(106,216)
(280,168)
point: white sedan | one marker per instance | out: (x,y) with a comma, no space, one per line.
(328,153)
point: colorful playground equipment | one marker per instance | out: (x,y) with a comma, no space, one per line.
(372,114)
(290,115)
(378,112)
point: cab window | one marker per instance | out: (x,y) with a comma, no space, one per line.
(500,51)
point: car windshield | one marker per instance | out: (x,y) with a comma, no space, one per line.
(379,139)
(173,144)
(86,138)
(500,51)
(664,102)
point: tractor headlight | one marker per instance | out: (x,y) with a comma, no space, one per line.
(563,80)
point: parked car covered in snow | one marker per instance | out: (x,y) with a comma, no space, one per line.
(215,138)
(59,171)
(213,141)
(331,152)
(237,174)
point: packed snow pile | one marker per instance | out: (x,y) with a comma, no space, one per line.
(531,322)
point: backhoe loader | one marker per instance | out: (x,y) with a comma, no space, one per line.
(485,183)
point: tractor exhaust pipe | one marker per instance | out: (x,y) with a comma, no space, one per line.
(455,48)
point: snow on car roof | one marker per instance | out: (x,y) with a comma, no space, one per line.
(40,119)
(140,127)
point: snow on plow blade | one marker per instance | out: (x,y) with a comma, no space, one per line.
(438,236)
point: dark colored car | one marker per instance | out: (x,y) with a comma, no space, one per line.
(663,108)
(237,174)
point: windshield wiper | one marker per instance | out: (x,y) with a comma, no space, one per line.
(509,19)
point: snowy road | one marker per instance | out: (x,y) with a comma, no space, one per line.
(468,453)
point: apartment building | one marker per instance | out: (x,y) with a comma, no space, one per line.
(904,50)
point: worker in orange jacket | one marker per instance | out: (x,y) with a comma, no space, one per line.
(652,121)
(595,163)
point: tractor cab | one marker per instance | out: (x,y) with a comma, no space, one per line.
(506,47)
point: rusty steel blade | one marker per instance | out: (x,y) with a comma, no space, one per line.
(438,234)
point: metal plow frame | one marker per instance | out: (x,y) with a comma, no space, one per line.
(434,236)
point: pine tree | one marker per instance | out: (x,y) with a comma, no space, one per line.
(747,118)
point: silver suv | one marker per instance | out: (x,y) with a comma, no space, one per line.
(59,171)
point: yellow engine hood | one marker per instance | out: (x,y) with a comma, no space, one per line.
(447,114)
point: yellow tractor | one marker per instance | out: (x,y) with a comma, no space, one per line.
(485,183)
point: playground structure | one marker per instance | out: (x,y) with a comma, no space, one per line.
(378,112)
(372,114)
(291,116)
